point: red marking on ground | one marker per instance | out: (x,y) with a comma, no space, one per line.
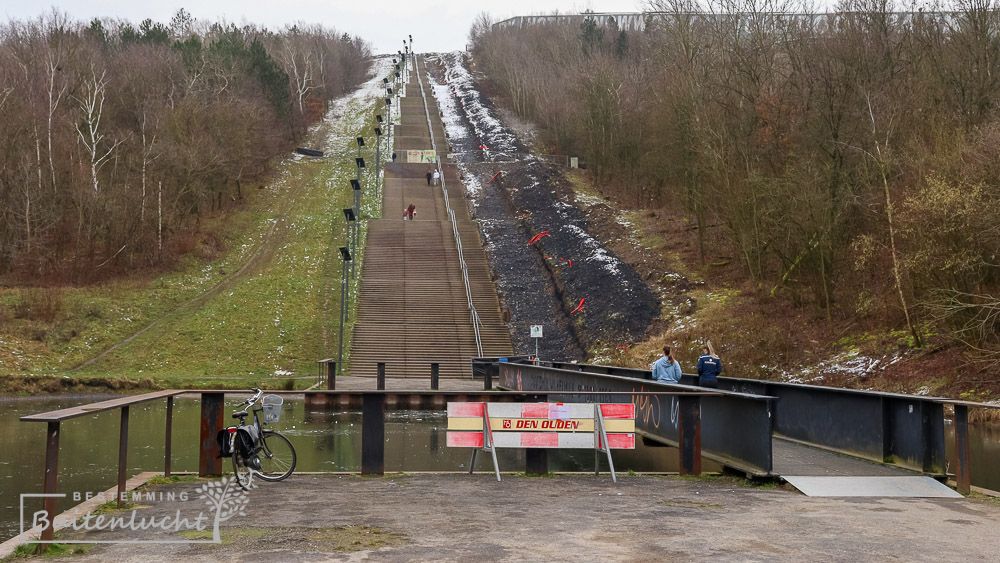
(538,237)
(494,177)
(578,307)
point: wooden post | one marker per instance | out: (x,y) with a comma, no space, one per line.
(373,434)
(488,378)
(49,486)
(962,475)
(689,434)
(209,462)
(331,375)
(380,382)
(435,369)
(122,456)
(167,438)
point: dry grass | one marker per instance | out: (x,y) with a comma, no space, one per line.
(39,304)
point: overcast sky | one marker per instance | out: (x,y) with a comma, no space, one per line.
(436,25)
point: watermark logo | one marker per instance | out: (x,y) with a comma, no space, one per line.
(224,498)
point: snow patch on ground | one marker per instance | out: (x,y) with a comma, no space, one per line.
(486,126)
(851,365)
(597,253)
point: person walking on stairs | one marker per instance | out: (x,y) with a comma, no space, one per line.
(437,176)
(429,177)
(410,211)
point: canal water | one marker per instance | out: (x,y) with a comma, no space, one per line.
(324,441)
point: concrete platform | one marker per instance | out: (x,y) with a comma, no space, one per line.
(565,518)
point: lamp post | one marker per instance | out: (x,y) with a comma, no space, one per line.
(378,154)
(357,198)
(388,111)
(345,260)
(356,186)
(388,149)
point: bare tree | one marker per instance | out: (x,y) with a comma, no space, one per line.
(91,134)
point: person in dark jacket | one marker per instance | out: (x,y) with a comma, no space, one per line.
(429,177)
(709,368)
(394,157)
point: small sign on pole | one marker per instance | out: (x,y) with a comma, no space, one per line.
(536,333)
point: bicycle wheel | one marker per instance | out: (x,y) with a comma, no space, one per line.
(277,456)
(243,474)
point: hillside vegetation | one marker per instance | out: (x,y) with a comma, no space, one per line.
(117,140)
(244,293)
(843,164)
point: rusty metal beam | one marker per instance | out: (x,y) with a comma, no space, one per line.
(331,375)
(435,371)
(380,382)
(689,435)
(209,462)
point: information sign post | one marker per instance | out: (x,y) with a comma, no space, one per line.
(536,333)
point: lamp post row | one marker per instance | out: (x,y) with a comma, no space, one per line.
(353,214)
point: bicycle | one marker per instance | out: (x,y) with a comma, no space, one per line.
(255,450)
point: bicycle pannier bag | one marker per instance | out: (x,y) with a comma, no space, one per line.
(225,443)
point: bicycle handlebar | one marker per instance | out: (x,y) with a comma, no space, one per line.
(252,400)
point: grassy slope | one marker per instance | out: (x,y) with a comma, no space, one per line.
(278,315)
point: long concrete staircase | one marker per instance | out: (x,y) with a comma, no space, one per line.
(413,307)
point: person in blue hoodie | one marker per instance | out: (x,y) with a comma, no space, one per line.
(666,369)
(709,367)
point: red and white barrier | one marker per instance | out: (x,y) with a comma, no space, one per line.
(487,426)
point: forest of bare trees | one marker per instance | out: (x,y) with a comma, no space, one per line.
(116,139)
(848,160)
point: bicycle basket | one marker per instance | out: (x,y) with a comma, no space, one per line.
(272,408)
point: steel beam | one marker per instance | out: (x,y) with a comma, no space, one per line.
(536,461)
(51,480)
(962,474)
(168,437)
(689,435)
(373,434)
(209,462)
(380,382)
(435,369)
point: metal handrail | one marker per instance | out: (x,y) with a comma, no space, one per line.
(474,315)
